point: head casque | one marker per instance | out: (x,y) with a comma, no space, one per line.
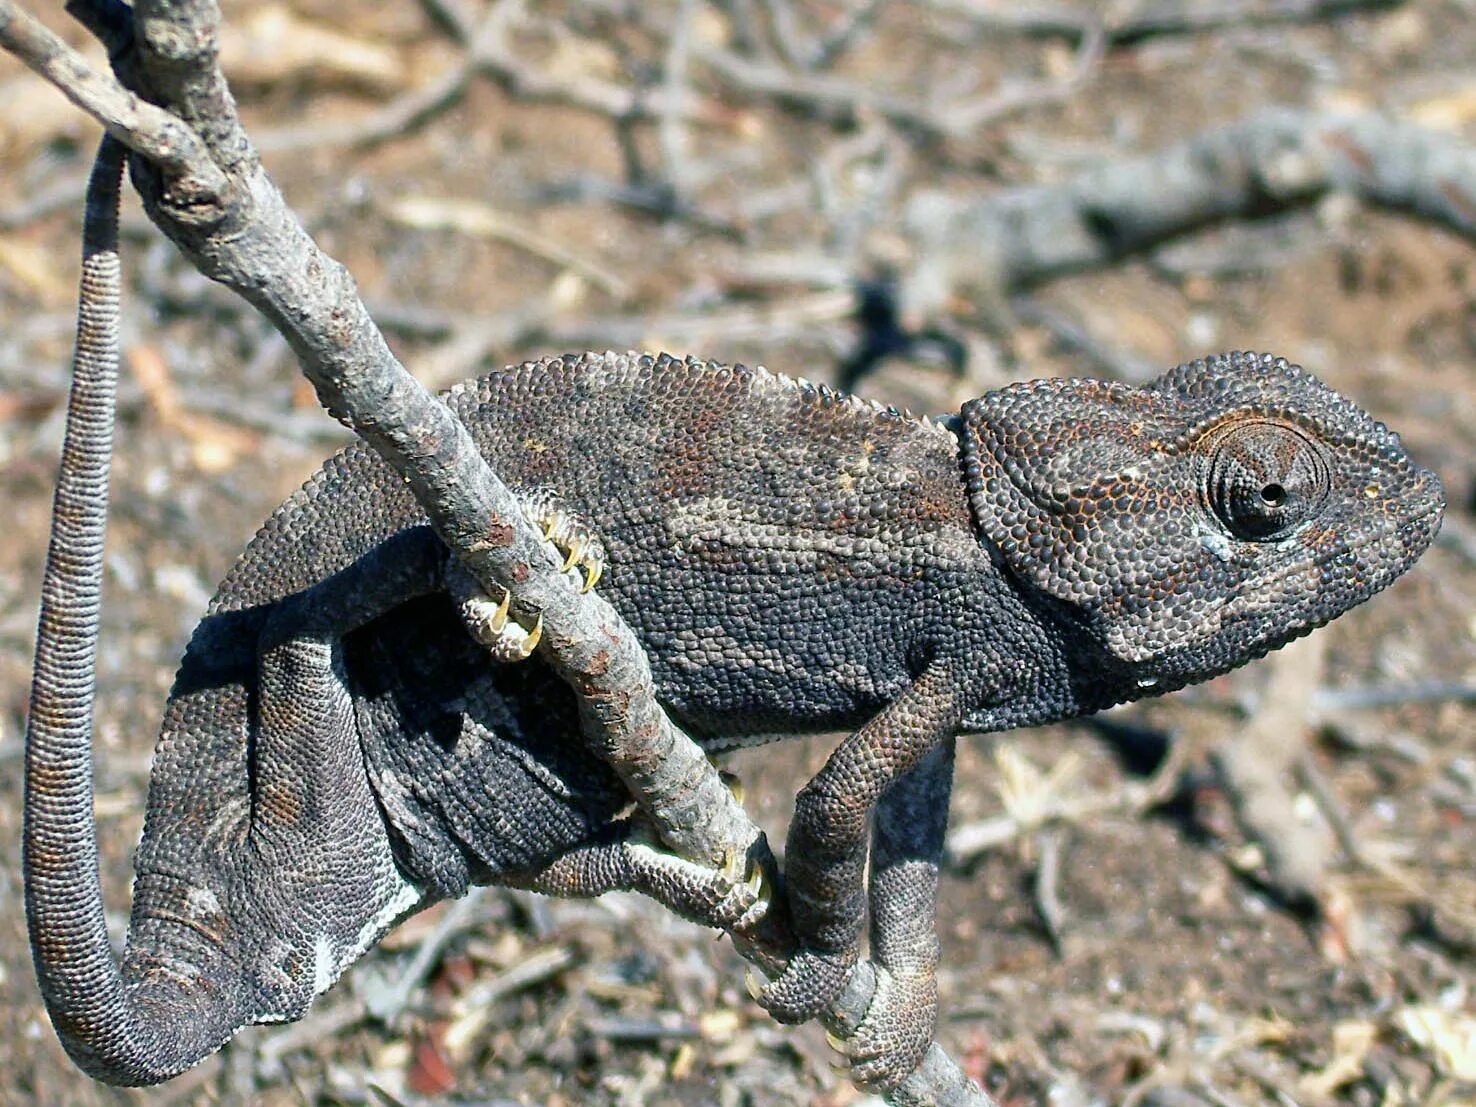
(1187,526)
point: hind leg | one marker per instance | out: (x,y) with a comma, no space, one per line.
(731,898)
(322,869)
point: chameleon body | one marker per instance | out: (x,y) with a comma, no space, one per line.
(338,750)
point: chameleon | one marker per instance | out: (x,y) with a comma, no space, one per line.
(342,748)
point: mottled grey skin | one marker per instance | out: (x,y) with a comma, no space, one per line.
(336,754)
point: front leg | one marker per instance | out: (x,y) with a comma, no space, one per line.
(907,850)
(825,853)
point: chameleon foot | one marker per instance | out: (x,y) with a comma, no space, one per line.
(733,897)
(580,547)
(488,620)
(807,986)
(890,1041)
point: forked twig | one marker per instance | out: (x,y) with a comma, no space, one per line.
(203,186)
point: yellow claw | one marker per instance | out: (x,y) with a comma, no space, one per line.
(735,786)
(593,571)
(531,642)
(574,554)
(835,1041)
(752,984)
(498,619)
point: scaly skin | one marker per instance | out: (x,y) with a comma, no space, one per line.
(339,750)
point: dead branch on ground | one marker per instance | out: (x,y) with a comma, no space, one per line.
(1272,161)
(1155,20)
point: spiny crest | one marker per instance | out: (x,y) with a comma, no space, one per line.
(1275,386)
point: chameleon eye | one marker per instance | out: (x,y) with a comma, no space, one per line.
(1265,479)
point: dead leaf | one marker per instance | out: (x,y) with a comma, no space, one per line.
(1448,1036)
(430,1073)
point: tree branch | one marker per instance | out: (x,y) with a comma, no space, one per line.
(1152,20)
(252,244)
(1276,160)
(144,128)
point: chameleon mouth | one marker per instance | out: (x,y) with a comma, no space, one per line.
(1389,550)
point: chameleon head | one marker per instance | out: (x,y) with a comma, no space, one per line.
(1189,525)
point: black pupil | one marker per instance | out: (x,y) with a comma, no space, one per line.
(1273,495)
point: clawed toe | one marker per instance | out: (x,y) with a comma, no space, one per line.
(891,1040)
(733,897)
(746,899)
(488,620)
(807,986)
(580,547)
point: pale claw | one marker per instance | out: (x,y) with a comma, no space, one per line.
(576,546)
(734,785)
(593,571)
(530,642)
(497,621)
(752,984)
(574,554)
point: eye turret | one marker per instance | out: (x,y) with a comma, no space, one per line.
(1266,479)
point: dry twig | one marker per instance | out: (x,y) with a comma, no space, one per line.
(202,184)
(1154,20)
(1272,161)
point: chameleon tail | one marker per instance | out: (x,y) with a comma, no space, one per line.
(114,1030)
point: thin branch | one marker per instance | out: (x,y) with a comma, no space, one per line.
(829,97)
(396,118)
(257,248)
(177,43)
(969,116)
(500,62)
(671,132)
(1150,21)
(1365,697)
(821,49)
(162,138)
(1273,161)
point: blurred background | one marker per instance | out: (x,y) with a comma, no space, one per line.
(1260,891)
